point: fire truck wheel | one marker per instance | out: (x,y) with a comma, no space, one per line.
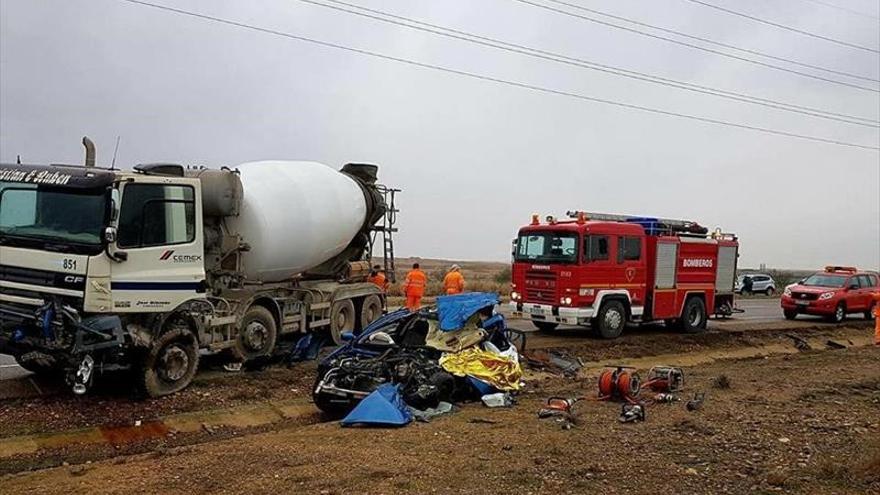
(342,319)
(693,317)
(545,326)
(789,314)
(611,319)
(170,363)
(256,334)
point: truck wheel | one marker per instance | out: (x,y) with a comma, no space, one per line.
(545,326)
(371,309)
(839,313)
(256,335)
(611,319)
(693,317)
(170,363)
(789,314)
(342,319)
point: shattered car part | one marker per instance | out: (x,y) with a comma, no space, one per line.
(83,377)
(696,402)
(630,413)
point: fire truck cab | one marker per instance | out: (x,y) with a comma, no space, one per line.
(603,271)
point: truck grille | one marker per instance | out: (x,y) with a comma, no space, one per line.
(804,296)
(540,287)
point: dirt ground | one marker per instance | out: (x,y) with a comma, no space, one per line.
(781,421)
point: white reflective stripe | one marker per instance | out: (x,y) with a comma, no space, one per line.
(637,310)
(40,288)
(21,300)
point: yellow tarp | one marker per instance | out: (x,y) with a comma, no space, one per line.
(498,371)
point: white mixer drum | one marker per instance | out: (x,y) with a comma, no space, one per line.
(295,216)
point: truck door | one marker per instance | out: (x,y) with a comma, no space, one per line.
(160,230)
(631,264)
(664,280)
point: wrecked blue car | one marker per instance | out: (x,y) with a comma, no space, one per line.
(395,349)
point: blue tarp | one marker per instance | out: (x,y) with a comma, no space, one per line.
(454,311)
(383,407)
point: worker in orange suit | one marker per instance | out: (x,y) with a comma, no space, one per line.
(453,282)
(414,287)
(377,276)
(877,318)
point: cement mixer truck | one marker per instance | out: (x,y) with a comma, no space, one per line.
(145,270)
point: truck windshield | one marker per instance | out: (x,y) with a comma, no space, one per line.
(547,247)
(821,280)
(65,217)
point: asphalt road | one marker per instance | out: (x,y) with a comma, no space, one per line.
(756,311)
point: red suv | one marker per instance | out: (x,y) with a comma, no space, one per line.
(834,293)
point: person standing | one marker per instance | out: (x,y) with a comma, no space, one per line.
(453,282)
(414,287)
(377,276)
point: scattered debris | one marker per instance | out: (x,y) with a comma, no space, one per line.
(630,413)
(834,345)
(499,399)
(553,361)
(799,343)
(696,402)
(721,382)
(483,421)
(426,415)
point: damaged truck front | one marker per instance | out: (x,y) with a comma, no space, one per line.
(145,270)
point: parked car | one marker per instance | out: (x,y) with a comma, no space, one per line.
(761,284)
(833,293)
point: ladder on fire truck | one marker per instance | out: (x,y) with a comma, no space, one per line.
(387,230)
(661,226)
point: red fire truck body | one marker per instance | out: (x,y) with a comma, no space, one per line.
(606,270)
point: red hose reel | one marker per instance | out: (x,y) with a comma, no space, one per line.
(620,383)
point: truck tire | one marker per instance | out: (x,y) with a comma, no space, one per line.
(170,363)
(545,326)
(371,310)
(257,334)
(611,320)
(693,316)
(789,314)
(839,314)
(342,319)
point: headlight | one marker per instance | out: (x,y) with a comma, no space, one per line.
(826,295)
(787,291)
(565,300)
(514,296)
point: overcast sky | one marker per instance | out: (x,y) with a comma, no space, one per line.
(475,158)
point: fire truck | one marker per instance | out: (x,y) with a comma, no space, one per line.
(604,271)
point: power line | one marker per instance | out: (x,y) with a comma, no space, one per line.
(783,26)
(714,42)
(691,45)
(506,82)
(845,9)
(585,64)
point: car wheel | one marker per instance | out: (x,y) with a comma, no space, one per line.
(545,326)
(769,291)
(256,334)
(611,319)
(693,317)
(869,314)
(789,314)
(839,313)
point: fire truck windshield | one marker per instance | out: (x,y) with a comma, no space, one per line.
(68,219)
(547,247)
